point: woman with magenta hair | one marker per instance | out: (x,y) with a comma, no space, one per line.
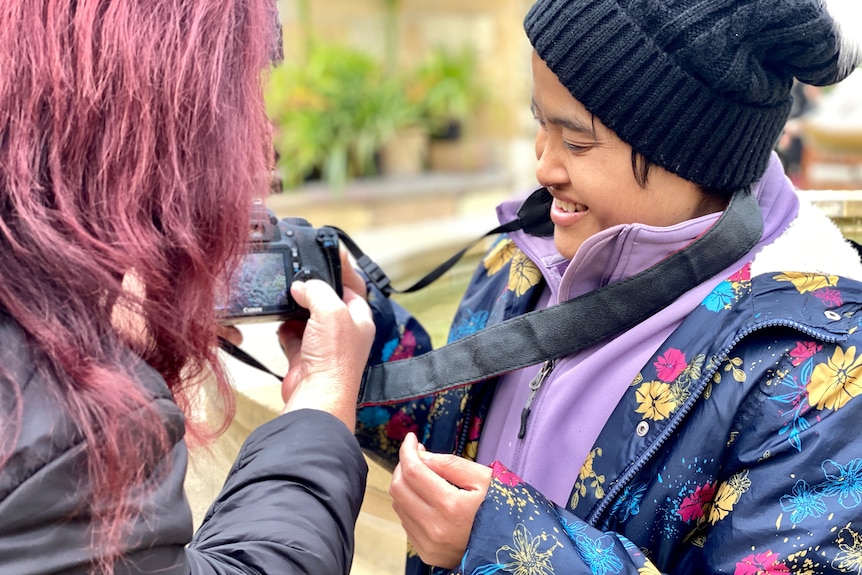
(715,434)
(133,140)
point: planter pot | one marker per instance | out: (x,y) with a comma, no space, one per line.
(406,153)
(459,155)
(451,130)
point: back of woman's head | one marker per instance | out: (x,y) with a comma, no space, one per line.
(132,138)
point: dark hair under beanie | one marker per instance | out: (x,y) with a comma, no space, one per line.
(699,87)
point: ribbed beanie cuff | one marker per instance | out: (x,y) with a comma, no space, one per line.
(637,90)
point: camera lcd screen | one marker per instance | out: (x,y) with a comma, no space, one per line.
(260,284)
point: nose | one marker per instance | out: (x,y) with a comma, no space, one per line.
(550,167)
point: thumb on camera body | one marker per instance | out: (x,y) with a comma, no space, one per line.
(327,353)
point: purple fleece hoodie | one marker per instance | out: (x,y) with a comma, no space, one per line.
(576,400)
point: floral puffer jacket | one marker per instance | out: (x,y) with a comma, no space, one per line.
(735,450)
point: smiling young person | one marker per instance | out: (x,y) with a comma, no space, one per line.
(717,435)
(588,170)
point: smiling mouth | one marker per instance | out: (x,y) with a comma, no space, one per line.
(569,207)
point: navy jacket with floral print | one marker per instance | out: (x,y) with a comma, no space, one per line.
(744,456)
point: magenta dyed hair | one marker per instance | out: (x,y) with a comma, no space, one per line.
(132,139)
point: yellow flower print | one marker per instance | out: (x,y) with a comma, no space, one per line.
(471,450)
(586,474)
(525,557)
(734,366)
(499,256)
(523,274)
(679,393)
(727,495)
(807,282)
(587,468)
(833,383)
(411,551)
(655,400)
(649,569)
(849,558)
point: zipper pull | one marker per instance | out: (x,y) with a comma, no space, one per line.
(535,384)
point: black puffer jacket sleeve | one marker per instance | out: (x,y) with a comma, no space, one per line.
(290,502)
(288,506)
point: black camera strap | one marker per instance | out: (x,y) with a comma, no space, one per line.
(532,218)
(558,330)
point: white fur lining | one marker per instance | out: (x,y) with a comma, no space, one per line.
(848,28)
(812,243)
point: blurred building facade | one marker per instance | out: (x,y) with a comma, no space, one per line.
(411,29)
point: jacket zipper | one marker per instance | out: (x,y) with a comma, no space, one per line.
(618,485)
(535,385)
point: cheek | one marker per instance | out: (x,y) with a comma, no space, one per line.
(627,207)
(541,138)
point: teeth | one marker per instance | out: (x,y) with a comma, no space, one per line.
(570,206)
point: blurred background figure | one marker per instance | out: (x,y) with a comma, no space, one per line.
(805,100)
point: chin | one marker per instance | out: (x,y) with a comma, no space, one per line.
(566,246)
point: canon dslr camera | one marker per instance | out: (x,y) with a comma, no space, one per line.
(279,253)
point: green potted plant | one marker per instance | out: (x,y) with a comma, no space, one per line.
(331,114)
(451,94)
(405,150)
(451,90)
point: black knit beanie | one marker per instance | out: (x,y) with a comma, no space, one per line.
(699,87)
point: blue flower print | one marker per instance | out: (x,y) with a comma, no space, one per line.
(804,502)
(572,529)
(843,481)
(599,554)
(629,503)
(371,417)
(389,348)
(469,324)
(721,297)
(797,399)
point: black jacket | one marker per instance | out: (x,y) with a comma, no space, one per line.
(288,506)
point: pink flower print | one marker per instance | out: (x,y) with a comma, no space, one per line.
(742,275)
(765,563)
(830,297)
(475,428)
(502,474)
(400,425)
(803,350)
(693,506)
(670,365)
(406,347)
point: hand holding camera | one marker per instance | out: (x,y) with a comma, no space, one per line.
(292,273)
(327,353)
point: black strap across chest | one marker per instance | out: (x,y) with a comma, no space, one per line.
(573,325)
(555,331)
